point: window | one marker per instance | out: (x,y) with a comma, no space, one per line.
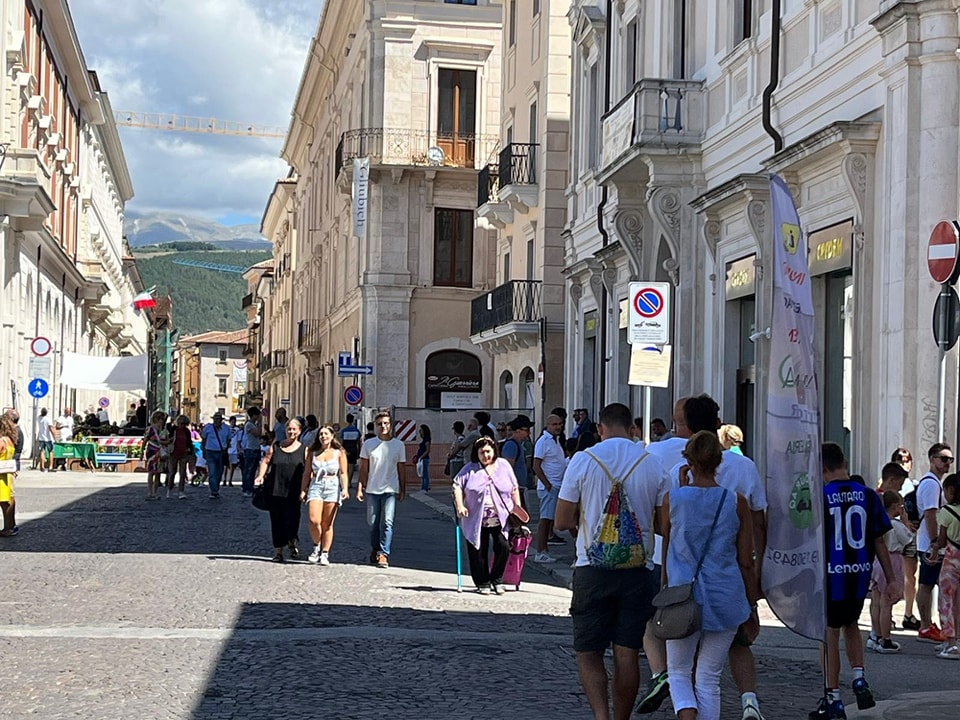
(453,248)
(222,354)
(742,20)
(457,115)
(221,386)
(631,42)
(533,122)
(536,7)
(506,267)
(506,389)
(512,27)
(593,117)
(452,371)
(530,259)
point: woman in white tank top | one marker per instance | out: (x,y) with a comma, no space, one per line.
(325,486)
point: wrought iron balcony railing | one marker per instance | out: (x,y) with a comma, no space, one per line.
(309,335)
(514,301)
(402,146)
(518,164)
(247,301)
(274,360)
(488,183)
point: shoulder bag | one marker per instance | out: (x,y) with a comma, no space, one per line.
(677,613)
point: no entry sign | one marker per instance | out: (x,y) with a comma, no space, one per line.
(649,321)
(942,251)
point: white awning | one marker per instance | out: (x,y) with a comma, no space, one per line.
(90,372)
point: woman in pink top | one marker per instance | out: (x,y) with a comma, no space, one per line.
(485,492)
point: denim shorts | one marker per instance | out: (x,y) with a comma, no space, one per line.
(325,488)
(45,445)
(548,502)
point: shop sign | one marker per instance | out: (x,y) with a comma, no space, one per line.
(460,401)
(831,249)
(590,324)
(454,383)
(741,278)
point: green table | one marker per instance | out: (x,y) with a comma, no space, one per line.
(76,451)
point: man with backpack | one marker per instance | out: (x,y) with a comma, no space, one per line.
(614,582)
(928,502)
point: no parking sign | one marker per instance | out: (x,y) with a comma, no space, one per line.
(649,313)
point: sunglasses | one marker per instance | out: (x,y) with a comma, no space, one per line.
(945,459)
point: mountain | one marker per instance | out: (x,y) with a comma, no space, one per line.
(161,228)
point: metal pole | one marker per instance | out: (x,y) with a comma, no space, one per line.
(647,409)
(941,359)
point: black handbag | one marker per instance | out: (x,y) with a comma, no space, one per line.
(446,468)
(261,498)
(677,613)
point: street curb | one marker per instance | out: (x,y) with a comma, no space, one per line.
(558,571)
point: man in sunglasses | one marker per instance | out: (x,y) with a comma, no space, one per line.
(929,500)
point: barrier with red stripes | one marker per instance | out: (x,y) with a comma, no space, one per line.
(118,441)
(405,430)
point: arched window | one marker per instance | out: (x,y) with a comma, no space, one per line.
(455,374)
(528,385)
(506,389)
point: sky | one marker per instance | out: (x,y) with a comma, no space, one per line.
(238,60)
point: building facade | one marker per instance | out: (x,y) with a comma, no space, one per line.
(212,374)
(521,197)
(259,279)
(63,183)
(414,89)
(866,106)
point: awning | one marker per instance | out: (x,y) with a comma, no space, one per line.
(91,372)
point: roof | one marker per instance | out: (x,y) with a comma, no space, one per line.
(218,337)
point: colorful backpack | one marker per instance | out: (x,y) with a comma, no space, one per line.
(618,539)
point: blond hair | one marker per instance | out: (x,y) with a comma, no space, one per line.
(730,435)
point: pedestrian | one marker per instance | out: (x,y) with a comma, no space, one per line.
(369,434)
(380,485)
(548,466)
(485,492)
(281,471)
(948,538)
(233,450)
(929,500)
(350,439)
(310,432)
(708,541)
(181,450)
(10,518)
(731,437)
(483,424)
(658,430)
(855,523)
(455,457)
(518,431)
(611,605)
(636,430)
(422,458)
(252,435)
(215,439)
(904,458)
(45,441)
(326,484)
(152,453)
(882,600)
(141,414)
(8,450)
(280,426)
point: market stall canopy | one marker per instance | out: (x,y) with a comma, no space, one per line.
(90,372)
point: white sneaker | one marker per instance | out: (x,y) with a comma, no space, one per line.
(315,555)
(872,643)
(324,559)
(543,557)
(951,653)
(751,712)
(182,496)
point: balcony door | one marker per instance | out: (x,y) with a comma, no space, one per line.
(457,116)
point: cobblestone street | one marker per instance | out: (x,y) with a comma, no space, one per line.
(118,608)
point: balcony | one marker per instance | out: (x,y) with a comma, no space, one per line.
(658,116)
(508,317)
(492,213)
(247,301)
(518,176)
(273,364)
(309,337)
(412,148)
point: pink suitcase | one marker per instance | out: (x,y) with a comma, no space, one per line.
(519,543)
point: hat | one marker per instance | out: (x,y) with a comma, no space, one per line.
(218,415)
(520,422)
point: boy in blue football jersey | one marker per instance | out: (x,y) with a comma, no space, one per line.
(854,525)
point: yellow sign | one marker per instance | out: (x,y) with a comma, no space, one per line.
(790,234)
(830,249)
(650,365)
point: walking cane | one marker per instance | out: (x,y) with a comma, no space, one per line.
(459,560)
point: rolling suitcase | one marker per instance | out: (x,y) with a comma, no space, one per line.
(520,539)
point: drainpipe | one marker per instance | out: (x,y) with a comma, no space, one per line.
(774,76)
(604,303)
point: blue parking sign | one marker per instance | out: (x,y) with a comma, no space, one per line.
(38,388)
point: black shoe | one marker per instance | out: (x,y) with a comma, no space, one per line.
(865,699)
(278,558)
(910,623)
(556,540)
(294,553)
(658,691)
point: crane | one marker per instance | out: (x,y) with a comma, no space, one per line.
(187,123)
(216,267)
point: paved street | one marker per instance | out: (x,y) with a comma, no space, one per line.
(118,608)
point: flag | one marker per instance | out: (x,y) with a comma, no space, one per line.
(144,300)
(793,576)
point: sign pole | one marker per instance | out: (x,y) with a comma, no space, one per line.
(941,360)
(647,410)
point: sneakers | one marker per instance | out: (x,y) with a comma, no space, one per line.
(382,561)
(657,692)
(751,712)
(556,540)
(182,496)
(930,634)
(294,552)
(950,653)
(543,557)
(888,646)
(872,642)
(484,589)
(314,557)
(865,699)
(833,711)
(910,623)
(498,589)
(324,559)
(278,558)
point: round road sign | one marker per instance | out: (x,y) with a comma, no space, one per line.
(648,302)
(942,251)
(950,310)
(40,346)
(104,402)
(38,388)
(353,395)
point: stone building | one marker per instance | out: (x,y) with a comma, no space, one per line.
(259,279)
(413,88)
(522,197)
(212,374)
(866,104)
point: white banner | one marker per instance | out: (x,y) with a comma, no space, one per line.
(793,566)
(361,177)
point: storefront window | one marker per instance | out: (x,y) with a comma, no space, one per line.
(740,291)
(590,327)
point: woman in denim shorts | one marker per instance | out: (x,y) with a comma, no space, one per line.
(326,484)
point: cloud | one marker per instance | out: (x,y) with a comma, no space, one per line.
(237,60)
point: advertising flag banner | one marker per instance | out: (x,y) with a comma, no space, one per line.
(793,565)
(361,177)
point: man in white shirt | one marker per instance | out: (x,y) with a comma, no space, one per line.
(382,469)
(215,441)
(548,465)
(45,441)
(611,606)
(929,500)
(65,425)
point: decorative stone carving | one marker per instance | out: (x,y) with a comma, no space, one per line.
(711,236)
(757,220)
(854,168)
(609,277)
(629,226)
(672,266)
(575,294)
(596,279)
(664,204)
